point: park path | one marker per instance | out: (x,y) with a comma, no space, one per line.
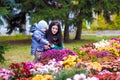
(102,32)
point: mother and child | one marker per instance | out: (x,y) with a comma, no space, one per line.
(45,37)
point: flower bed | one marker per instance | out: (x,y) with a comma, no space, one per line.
(94,61)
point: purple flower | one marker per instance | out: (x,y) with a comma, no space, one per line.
(116,39)
(30,65)
(102,53)
(57,54)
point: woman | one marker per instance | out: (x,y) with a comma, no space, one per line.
(54,35)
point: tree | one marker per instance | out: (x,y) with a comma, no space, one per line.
(51,12)
(83,11)
(14,19)
(3,10)
(34,8)
(60,9)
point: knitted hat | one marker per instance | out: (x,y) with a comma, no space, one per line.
(42,24)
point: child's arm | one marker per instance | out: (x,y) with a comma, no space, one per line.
(38,37)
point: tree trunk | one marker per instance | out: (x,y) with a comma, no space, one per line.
(79,30)
(66,33)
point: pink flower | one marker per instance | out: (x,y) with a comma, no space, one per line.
(118,78)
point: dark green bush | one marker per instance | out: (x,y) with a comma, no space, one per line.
(3,48)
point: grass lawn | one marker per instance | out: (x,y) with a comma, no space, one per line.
(20,51)
(16,54)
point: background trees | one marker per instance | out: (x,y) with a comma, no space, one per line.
(57,9)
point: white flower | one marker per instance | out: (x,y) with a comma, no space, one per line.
(32,70)
(102,43)
(54,59)
(68,79)
(92,78)
(118,59)
(77,77)
(61,62)
(83,76)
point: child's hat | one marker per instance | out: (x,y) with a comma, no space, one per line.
(42,24)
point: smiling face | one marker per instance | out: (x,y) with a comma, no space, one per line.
(54,29)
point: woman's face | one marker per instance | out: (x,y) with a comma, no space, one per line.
(54,29)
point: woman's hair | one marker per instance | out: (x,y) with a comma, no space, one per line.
(50,35)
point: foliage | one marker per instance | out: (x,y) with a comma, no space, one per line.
(101,24)
(60,9)
(3,12)
(64,74)
(3,48)
(116,22)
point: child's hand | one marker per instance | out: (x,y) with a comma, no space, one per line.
(46,47)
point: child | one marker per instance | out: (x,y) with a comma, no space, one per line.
(54,35)
(38,39)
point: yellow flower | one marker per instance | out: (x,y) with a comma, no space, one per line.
(37,77)
(65,58)
(79,60)
(48,77)
(96,66)
(67,66)
(112,50)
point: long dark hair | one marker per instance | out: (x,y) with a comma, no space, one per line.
(49,34)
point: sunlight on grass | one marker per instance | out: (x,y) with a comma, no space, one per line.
(16,37)
(17,54)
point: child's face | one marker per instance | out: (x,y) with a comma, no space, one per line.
(54,29)
(44,29)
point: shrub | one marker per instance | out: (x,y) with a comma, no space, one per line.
(3,47)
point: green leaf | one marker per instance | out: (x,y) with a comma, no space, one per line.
(1,22)
(3,11)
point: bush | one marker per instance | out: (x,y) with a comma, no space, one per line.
(3,47)
(101,24)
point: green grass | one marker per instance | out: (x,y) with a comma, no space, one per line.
(17,54)
(16,37)
(21,52)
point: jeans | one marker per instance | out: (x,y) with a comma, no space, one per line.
(37,56)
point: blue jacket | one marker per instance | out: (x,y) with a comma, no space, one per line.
(38,40)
